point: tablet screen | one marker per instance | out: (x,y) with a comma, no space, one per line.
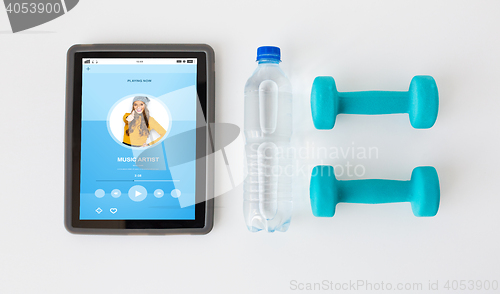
(130,107)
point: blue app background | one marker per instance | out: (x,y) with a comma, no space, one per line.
(103,159)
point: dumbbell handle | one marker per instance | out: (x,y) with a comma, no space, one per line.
(374,191)
(373,102)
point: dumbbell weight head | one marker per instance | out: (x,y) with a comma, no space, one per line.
(423,102)
(323,191)
(324,103)
(425,191)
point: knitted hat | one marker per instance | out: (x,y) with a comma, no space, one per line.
(141,98)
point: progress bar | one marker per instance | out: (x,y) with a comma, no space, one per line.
(137,180)
(156,180)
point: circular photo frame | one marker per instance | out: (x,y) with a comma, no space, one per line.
(157,110)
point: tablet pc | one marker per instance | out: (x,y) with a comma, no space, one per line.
(137,139)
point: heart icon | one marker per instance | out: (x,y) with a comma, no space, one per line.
(113,210)
(23,16)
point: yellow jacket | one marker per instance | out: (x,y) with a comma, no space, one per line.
(135,138)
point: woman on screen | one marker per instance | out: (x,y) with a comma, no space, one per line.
(138,124)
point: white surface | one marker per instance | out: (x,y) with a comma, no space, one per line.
(364,45)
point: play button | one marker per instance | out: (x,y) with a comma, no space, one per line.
(137,193)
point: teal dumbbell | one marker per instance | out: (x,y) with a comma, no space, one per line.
(421,102)
(422,191)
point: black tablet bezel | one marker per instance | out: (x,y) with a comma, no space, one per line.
(204,168)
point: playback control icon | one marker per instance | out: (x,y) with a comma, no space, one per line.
(137,193)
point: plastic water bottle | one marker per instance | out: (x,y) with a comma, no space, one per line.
(267,190)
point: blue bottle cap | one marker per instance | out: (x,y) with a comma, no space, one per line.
(269,53)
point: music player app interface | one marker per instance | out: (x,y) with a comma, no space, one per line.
(138,120)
